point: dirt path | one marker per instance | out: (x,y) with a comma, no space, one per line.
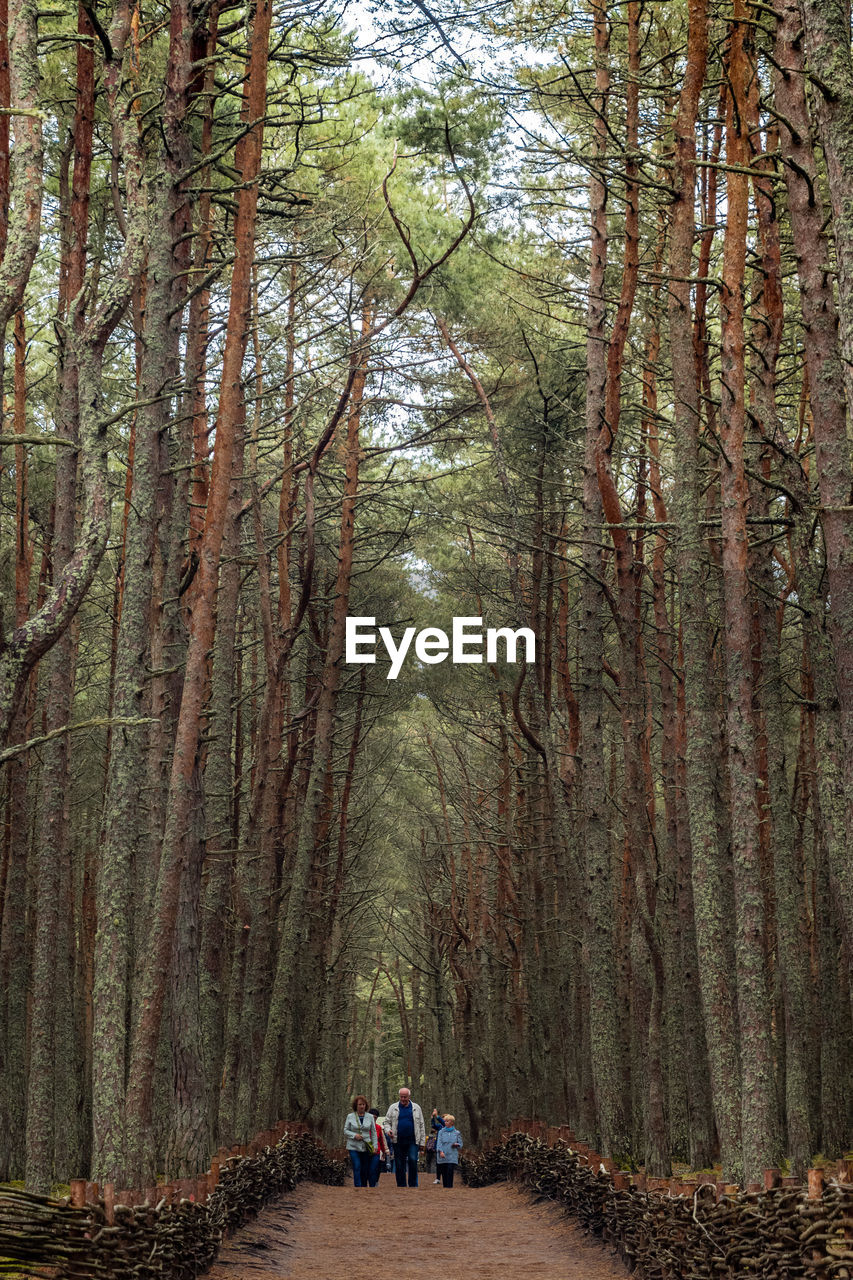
(330,1233)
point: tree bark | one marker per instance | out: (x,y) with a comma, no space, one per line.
(791,940)
(827,378)
(708,872)
(173,867)
(603,1005)
(759,1127)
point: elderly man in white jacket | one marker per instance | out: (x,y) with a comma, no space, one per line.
(404,1124)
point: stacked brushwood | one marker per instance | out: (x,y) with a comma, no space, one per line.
(245,1186)
(48,1238)
(772,1235)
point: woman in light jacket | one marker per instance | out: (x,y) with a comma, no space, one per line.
(360,1133)
(448,1144)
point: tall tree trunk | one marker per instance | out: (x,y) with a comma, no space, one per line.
(791,941)
(708,872)
(127,835)
(759,1127)
(51,980)
(826,376)
(174,867)
(604,1012)
(14,951)
(221,837)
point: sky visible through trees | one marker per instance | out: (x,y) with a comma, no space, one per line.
(540,314)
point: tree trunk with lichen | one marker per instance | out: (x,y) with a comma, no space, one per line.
(791,932)
(827,329)
(759,1125)
(603,1002)
(708,874)
(176,861)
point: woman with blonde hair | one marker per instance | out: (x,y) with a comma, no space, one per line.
(448,1144)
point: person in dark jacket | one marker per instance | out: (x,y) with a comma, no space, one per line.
(436,1124)
(405,1126)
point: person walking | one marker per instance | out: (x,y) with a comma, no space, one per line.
(436,1123)
(360,1133)
(382,1155)
(404,1124)
(448,1144)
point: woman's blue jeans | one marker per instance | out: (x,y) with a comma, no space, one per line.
(360,1161)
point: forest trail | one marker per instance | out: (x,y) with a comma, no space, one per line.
(495,1233)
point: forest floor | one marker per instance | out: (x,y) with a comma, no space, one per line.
(330,1233)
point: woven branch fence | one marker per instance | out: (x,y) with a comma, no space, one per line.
(170,1232)
(690,1229)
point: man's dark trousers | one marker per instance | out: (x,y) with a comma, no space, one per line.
(406,1157)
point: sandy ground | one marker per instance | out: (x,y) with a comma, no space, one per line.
(330,1233)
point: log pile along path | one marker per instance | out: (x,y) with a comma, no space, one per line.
(494,1233)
